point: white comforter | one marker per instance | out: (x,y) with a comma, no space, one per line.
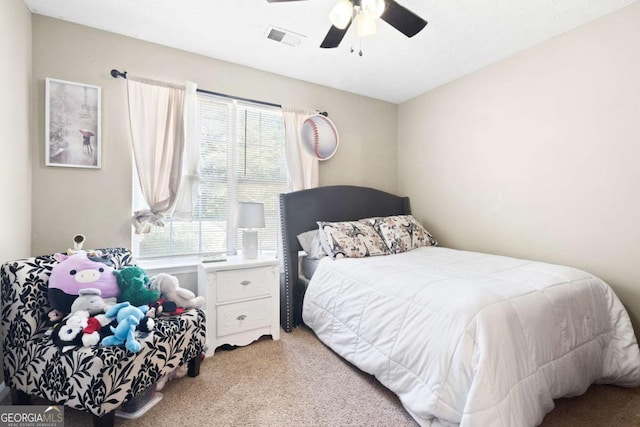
(473,339)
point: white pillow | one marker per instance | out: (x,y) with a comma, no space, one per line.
(310,242)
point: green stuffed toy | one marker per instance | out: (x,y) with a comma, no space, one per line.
(134,286)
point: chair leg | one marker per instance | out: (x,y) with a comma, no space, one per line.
(19,397)
(194,366)
(106,420)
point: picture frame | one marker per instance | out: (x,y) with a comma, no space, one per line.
(72,124)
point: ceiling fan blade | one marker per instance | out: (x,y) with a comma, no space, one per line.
(334,37)
(402,19)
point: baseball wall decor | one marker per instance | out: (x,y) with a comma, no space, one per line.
(319,137)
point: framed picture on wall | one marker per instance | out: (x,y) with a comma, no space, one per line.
(72,125)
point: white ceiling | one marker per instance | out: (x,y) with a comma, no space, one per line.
(461,37)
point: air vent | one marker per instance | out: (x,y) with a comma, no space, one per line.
(284,36)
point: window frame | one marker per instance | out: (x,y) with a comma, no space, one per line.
(236,106)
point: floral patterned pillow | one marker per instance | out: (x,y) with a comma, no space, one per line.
(402,233)
(351,239)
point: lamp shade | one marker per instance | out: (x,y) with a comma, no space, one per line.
(365,25)
(250,215)
(374,8)
(340,15)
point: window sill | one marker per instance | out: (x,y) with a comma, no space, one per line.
(175,265)
(169,265)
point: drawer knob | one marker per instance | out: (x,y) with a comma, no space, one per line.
(245,282)
(241,317)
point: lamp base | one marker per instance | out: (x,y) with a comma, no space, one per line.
(250,244)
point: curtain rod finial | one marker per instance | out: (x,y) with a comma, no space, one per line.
(115,74)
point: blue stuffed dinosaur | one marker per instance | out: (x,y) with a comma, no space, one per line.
(128,317)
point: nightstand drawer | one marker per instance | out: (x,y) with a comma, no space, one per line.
(244,316)
(243,283)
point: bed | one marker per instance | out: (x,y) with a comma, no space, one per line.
(462,338)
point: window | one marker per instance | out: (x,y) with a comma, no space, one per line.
(242,158)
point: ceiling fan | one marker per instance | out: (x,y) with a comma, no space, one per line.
(364,13)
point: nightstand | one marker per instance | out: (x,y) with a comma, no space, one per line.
(242,300)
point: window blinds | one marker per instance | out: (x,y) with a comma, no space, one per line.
(242,158)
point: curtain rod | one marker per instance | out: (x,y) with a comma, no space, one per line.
(115,74)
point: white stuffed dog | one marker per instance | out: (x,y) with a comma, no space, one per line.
(171,291)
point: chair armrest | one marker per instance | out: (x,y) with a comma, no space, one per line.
(24,298)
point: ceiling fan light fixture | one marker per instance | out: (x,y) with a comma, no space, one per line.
(340,15)
(373,8)
(364,14)
(365,25)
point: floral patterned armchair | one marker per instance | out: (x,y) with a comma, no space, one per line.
(92,379)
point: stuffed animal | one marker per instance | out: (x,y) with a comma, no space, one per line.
(170,289)
(134,286)
(98,256)
(76,272)
(164,308)
(53,317)
(129,319)
(79,329)
(91,300)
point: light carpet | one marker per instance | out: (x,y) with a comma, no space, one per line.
(297,381)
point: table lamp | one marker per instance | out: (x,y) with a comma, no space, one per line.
(250,216)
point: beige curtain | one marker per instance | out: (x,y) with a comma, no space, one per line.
(156,117)
(302,168)
(190,181)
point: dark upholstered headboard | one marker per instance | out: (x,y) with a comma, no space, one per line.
(299,211)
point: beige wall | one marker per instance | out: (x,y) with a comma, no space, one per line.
(97,203)
(15,160)
(537,156)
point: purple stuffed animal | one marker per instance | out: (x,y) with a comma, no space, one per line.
(76,272)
